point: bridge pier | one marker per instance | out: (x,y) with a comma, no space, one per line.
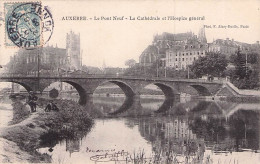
(89,96)
(177,97)
(136,97)
(85,98)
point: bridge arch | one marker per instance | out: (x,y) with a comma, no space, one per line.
(202,91)
(167,90)
(26,86)
(80,90)
(126,88)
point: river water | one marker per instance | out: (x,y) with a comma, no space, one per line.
(6,112)
(154,130)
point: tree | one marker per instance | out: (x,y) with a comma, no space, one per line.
(246,72)
(240,63)
(244,64)
(212,64)
(91,70)
(130,63)
(252,57)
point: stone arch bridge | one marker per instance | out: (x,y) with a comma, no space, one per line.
(131,86)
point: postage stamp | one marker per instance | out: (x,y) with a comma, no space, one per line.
(27,25)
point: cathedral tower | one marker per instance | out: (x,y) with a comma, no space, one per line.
(202,36)
(73,50)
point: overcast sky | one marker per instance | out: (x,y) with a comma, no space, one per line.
(116,41)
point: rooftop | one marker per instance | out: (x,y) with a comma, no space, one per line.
(173,37)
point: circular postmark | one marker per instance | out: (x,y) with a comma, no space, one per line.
(30,25)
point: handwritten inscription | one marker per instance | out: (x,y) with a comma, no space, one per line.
(116,156)
(126,157)
(88,150)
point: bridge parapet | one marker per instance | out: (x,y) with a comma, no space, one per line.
(86,84)
(106,76)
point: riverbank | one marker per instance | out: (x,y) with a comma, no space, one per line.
(25,136)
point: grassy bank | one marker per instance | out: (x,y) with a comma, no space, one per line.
(21,111)
(45,129)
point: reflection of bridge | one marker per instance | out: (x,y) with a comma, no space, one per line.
(133,107)
(129,107)
(234,107)
(131,86)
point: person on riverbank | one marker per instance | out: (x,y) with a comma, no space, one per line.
(51,106)
(32,99)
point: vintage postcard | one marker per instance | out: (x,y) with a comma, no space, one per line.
(130,81)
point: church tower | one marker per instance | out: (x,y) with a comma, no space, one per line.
(73,50)
(202,36)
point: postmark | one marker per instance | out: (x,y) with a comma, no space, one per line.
(28,25)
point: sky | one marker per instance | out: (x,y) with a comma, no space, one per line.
(114,42)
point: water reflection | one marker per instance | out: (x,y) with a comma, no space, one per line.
(72,145)
(118,105)
(171,135)
(128,103)
(189,132)
(124,106)
(167,104)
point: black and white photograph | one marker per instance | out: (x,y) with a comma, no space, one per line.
(130,81)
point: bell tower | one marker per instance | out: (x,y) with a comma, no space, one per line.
(202,36)
(73,50)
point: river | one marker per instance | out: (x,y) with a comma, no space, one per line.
(154,130)
(173,131)
(6,112)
